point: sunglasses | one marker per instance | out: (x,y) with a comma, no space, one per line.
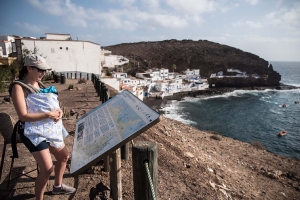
(39,70)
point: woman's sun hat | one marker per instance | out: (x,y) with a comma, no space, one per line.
(36,61)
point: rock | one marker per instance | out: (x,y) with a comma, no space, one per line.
(188,154)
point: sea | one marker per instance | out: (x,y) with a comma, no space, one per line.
(249,115)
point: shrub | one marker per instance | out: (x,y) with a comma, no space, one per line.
(48,76)
(215,137)
(258,145)
(71,87)
(82,80)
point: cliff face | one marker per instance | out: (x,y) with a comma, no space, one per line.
(207,56)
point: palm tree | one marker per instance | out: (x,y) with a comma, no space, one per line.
(174,67)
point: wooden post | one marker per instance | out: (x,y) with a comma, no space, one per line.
(100,90)
(125,151)
(80,75)
(67,75)
(75,75)
(116,175)
(97,86)
(87,77)
(144,151)
(103,90)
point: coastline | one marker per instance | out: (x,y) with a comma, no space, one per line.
(157,104)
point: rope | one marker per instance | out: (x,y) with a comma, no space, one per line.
(150,180)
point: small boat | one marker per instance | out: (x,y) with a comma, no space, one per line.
(282,133)
(296,102)
(284,105)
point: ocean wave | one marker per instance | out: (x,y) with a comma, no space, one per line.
(275,111)
(173,111)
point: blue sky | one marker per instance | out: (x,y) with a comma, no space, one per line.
(267,28)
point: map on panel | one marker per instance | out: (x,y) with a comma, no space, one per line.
(106,126)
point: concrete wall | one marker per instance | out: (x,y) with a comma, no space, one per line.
(54,36)
(112,82)
(64,55)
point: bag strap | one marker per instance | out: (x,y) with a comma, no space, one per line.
(29,88)
(14,139)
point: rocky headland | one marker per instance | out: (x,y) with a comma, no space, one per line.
(209,57)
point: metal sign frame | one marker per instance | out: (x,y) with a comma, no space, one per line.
(136,105)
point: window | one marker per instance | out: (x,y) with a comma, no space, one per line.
(60,47)
(67,48)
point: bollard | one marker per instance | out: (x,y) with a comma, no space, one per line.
(75,75)
(80,75)
(105,97)
(87,77)
(97,87)
(144,153)
(100,90)
(67,75)
(125,151)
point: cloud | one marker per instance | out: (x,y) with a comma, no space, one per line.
(252,2)
(250,24)
(192,6)
(126,3)
(52,7)
(32,28)
(72,14)
(284,17)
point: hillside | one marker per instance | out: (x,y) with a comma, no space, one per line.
(209,57)
(192,164)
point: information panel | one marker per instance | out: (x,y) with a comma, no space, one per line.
(108,127)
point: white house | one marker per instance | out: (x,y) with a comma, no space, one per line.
(194,73)
(119,75)
(180,76)
(64,54)
(133,81)
(170,86)
(138,92)
(7,43)
(112,61)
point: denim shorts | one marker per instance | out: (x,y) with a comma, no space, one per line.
(31,147)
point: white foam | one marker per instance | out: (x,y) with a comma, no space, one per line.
(276,111)
(172,111)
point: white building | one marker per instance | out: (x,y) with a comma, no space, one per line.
(194,73)
(169,86)
(181,76)
(119,75)
(112,61)
(7,43)
(138,92)
(64,54)
(134,81)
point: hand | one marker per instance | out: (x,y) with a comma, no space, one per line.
(55,114)
(60,114)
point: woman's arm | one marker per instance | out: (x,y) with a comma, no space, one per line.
(18,98)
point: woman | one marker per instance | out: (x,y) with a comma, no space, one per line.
(43,133)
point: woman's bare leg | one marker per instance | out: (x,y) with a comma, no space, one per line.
(61,155)
(44,161)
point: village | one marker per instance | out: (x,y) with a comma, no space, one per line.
(67,55)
